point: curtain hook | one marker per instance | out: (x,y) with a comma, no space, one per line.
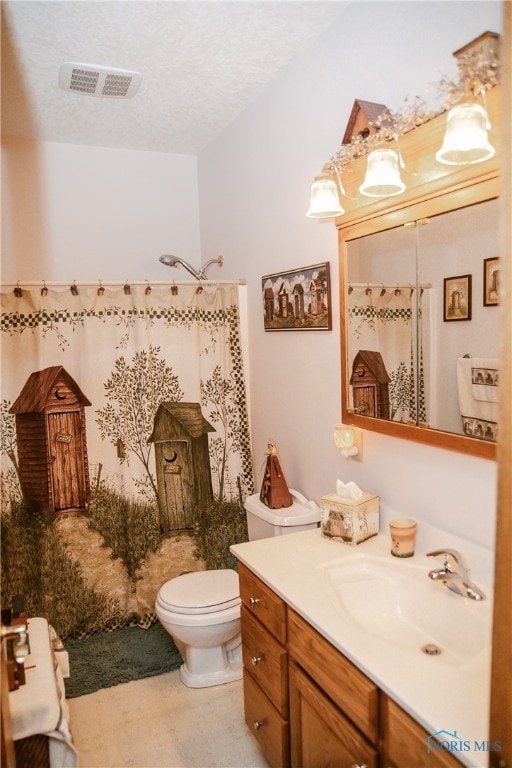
(368,290)
(148,289)
(398,292)
(44,289)
(199,289)
(74,289)
(127,289)
(174,289)
(383,290)
(100,290)
(17,291)
(350,289)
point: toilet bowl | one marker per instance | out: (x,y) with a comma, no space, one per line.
(201,610)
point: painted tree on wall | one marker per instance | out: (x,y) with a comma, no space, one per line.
(134,393)
(218,392)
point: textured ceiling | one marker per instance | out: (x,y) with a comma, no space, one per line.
(202,64)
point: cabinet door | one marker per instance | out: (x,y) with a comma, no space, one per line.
(347,686)
(321,736)
(404,742)
(266,724)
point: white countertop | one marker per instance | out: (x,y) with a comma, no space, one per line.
(452,698)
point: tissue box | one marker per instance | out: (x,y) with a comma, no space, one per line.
(350,520)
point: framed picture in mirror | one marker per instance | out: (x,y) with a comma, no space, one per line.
(457,298)
(491,282)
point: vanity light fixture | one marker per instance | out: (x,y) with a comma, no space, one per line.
(349,441)
(324,203)
(325,198)
(382,178)
(466,140)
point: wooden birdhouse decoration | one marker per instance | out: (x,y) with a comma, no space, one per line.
(51,439)
(370,385)
(362,119)
(184,481)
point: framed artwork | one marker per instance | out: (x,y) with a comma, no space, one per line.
(491,282)
(457,298)
(298,300)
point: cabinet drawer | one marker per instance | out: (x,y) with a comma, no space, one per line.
(266,660)
(263,603)
(320,734)
(405,741)
(349,688)
(266,724)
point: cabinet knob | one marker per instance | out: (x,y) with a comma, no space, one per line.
(258,724)
(254,601)
(257,660)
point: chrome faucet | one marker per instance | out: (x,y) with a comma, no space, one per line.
(454,574)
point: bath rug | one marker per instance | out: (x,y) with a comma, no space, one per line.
(111,658)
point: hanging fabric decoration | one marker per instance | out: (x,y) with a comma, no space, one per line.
(124,418)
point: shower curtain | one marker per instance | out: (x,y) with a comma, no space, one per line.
(124,421)
(383,320)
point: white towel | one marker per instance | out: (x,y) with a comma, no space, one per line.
(484,378)
(40,706)
(479,415)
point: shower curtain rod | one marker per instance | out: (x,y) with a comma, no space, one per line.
(389,285)
(116,283)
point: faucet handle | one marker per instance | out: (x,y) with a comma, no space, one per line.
(447,554)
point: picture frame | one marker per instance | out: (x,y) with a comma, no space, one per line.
(457,298)
(298,299)
(491,282)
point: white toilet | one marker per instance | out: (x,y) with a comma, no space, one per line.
(201,610)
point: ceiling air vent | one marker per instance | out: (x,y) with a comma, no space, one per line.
(99,81)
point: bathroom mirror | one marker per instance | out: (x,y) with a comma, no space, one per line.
(419,303)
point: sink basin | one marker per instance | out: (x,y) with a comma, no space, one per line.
(395,601)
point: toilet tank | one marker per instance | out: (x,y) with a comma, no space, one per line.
(263,522)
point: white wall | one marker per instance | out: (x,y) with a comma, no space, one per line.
(254,187)
(85,213)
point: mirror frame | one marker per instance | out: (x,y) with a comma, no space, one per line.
(432,189)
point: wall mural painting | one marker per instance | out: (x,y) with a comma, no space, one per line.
(125,448)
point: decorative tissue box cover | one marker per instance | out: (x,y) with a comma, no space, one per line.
(350,520)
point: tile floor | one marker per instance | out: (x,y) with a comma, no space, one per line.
(160,723)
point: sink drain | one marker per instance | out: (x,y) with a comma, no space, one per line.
(431,649)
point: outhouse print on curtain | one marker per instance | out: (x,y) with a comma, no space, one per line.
(125,447)
(382,354)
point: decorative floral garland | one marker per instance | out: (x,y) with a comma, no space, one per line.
(477,75)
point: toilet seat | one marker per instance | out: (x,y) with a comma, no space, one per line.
(201,592)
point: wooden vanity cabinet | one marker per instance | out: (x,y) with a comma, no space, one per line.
(333,706)
(404,741)
(265,658)
(308,706)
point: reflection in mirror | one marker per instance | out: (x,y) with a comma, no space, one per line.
(423,339)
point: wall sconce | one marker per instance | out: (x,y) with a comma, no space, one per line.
(382,177)
(325,197)
(465,139)
(349,441)
(324,203)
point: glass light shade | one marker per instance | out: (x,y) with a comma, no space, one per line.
(382,177)
(465,139)
(324,203)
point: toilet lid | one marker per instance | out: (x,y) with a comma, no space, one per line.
(201,591)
